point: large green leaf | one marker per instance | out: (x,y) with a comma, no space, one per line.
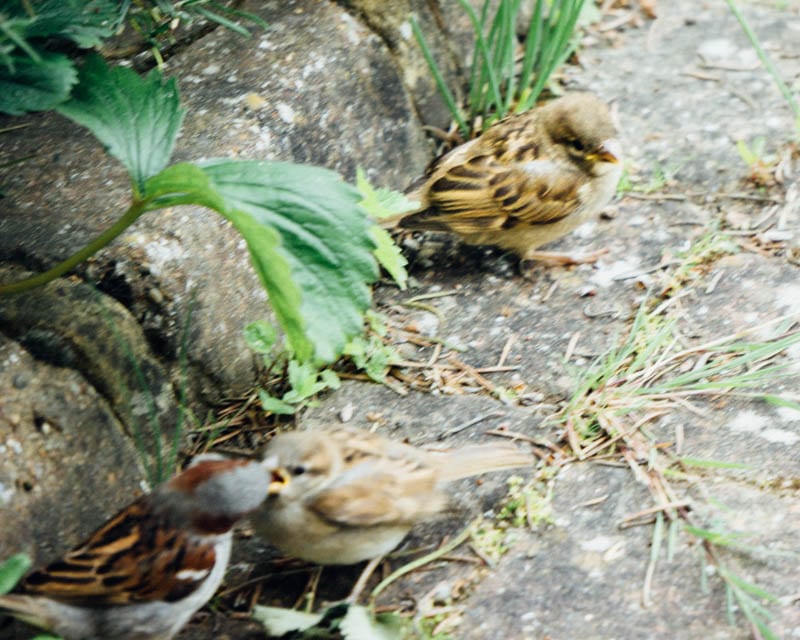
(35,85)
(324,238)
(187,183)
(85,22)
(136,118)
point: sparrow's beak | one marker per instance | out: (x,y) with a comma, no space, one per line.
(609,151)
(280,479)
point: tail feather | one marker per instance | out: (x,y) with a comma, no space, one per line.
(26,608)
(392,222)
(475,459)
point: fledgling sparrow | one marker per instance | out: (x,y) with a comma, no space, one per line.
(526,181)
(343,495)
(144,573)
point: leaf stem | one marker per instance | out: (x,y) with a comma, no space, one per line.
(131,215)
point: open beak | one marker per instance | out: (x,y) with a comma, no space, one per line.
(279,477)
(609,151)
(278,482)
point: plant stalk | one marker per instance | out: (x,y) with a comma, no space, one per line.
(131,215)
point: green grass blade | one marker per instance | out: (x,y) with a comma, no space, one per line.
(533,47)
(745,586)
(711,464)
(767,62)
(441,85)
(487,71)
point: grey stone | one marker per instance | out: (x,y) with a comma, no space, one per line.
(66,463)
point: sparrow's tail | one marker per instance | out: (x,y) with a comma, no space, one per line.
(391,222)
(481,458)
(25,608)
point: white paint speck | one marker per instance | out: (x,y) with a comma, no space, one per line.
(788,297)
(748,422)
(788,414)
(160,253)
(211,69)
(779,436)
(598,544)
(285,112)
(605,274)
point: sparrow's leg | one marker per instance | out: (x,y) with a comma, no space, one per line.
(358,587)
(309,595)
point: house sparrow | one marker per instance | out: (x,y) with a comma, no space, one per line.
(526,181)
(344,495)
(144,573)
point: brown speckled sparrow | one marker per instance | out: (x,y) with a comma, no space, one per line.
(144,573)
(526,181)
(345,495)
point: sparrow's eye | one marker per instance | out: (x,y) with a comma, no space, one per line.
(298,470)
(577,145)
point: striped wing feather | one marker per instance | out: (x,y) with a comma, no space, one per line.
(497,181)
(134,557)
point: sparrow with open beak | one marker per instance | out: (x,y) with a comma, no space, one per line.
(344,495)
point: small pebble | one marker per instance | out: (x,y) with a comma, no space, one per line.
(346,413)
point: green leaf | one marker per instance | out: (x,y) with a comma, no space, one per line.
(260,336)
(359,624)
(137,119)
(275,405)
(381,203)
(182,183)
(279,622)
(330,379)
(35,85)
(389,256)
(302,380)
(12,570)
(187,183)
(746,153)
(324,240)
(85,22)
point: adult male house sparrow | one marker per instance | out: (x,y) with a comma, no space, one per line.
(526,181)
(344,495)
(144,573)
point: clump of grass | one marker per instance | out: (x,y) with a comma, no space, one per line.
(650,375)
(696,261)
(500,81)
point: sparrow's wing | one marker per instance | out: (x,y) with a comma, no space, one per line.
(134,557)
(379,491)
(482,194)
